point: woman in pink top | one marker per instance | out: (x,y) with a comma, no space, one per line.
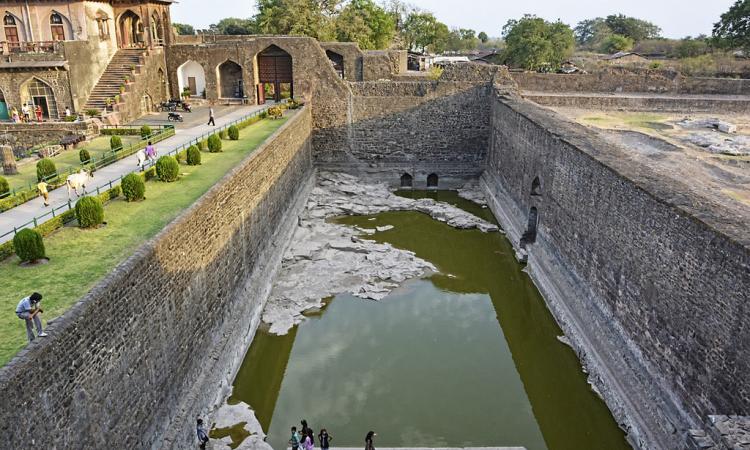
(307,443)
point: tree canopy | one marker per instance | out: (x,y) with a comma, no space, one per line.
(635,29)
(533,43)
(367,24)
(596,33)
(732,31)
(235,26)
(183,28)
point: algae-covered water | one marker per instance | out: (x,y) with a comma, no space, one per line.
(468,357)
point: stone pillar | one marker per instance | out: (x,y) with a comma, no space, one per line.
(8,160)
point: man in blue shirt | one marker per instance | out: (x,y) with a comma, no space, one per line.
(28,310)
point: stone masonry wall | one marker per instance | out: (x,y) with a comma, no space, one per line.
(22,136)
(636,102)
(134,361)
(650,284)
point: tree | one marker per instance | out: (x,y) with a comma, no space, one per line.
(616,43)
(183,29)
(689,47)
(533,43)
(732,31)
(364,22)
(483,37)
(421,30)
(234,26)
(297,17)
(591,32)
(635,29)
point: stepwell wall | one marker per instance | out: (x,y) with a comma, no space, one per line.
(141,355)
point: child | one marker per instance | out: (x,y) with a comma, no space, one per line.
(294,440)
(200,430)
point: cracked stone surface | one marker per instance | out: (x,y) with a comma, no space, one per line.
(325,259)
(232,415)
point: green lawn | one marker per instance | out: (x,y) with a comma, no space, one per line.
(65,160)
(73,270)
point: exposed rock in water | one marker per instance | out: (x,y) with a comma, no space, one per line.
(325,259)
(471,191)
(240,414)
(710,123)
(717,143)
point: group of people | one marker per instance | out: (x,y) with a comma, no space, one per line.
(30,112)
(305,439)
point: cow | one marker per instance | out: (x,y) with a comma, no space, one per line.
(141,156)
(79,179)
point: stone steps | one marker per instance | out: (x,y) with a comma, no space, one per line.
(109,83)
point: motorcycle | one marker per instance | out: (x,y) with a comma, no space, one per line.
(168,106)
(186,107)
(174,117)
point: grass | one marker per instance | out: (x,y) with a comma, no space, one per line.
(64,160)
(631,121)
(72,271)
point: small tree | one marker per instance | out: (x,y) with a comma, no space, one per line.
(167,168)
(45,169)
(193,156)
(133,187)
(733,30)
(4,186)
(616,43)
(115,143)
(145,132)
(234,132)
(214,143)
(84,155)
(29,245)
(89,211)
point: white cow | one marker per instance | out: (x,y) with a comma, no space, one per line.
(141,155)
(76,180)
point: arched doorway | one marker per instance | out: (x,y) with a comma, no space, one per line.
(191,77)
(536,187)
(131,29)
(3,107)
(13,34)
(60,27)
(35,92)
(229,75)
(407,180)
(275,75)
(157,30)
(337,61)
(529,236)
(432,180)
(147,104)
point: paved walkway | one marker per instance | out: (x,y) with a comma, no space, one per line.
(22,214)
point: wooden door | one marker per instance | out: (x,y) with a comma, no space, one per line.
(192,86)
(58,33)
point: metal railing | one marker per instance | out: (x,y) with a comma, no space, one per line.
(54,212)
(107,158)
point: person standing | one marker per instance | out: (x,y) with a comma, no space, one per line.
(25,111)
(28,310)
(211,116)
(42,186)
(38,112)
(308,443)
(307,431)
(294,441)
(68,113)
(15,116)
(325,439)
(200,430)
(368,441)
(151,152)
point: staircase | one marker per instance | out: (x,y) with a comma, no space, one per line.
(109,84)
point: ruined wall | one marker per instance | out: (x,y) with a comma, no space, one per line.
(22,136)
(352,58)
(383,64)
(651,284)
(636,102)
(134,361)
(630,80)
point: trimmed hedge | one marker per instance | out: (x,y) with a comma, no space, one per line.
(89,211)
(145,132)
(193,156)
(133,187)
(233,132)
(29,245)
(167,168)
(115,143)
(45,169)
(4,186)
(223,135)
(203,145)
(84,155)
(214,144)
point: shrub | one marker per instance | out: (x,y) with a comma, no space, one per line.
(234,133)
(263,114)
(167,168)
(45,169)
(150,173)
(223,135)
(133,187)
(214,144)
(89,211)
(193,156)
(4,186)
(84,155)
(275,112)
(145,132)
(203,145)
(29,245)
(91,112)
(434,73)
(70,118)
(115,142)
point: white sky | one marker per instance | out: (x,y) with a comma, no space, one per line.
(677,18)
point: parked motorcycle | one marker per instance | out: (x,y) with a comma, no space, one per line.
(174,117)
(168,106)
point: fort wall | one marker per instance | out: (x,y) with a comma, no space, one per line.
(649,284)
(142,354)
(637,102)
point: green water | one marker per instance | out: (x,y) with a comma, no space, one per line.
(467,357)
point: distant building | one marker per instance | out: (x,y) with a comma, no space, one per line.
(626,58)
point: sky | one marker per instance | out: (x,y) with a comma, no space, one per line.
(677,18)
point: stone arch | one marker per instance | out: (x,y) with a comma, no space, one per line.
(275,74)
(60,27)
(407,180)
(191,75)
(157,29)
(102,24)
(536,187)
(529,236)
(14,30)
(229,80)
(131,29)
(337,62)
(147,103)
(432,180)
(35,91)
